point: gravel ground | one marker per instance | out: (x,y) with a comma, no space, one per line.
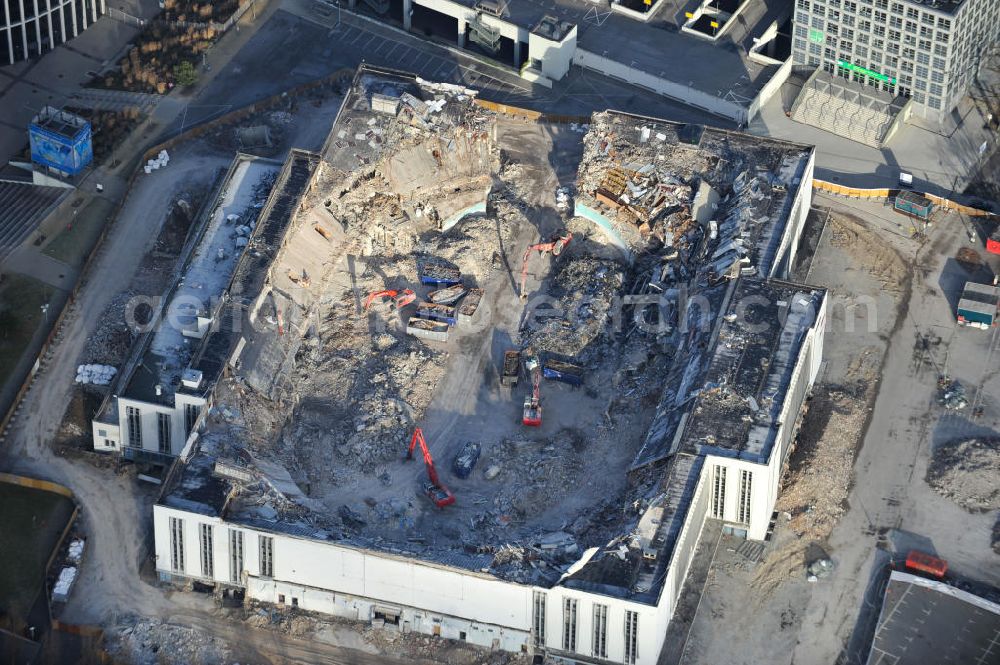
(968,473)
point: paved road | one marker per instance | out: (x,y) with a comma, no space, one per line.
(116,509)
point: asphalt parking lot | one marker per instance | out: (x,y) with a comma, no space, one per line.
(298,44)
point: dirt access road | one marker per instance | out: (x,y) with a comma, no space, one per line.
(885,288)
(116,509)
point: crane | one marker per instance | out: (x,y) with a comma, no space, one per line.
(532,414)
(555,246)
(440,495)
(400,298)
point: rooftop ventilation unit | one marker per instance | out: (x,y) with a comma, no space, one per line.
(191,378)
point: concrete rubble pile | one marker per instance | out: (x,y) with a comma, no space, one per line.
(702,203)
(586,290)
(377,391)
(112,340)
(625,170)
(951,394)
(148,642)
(967,472)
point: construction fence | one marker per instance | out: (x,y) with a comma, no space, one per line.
(531,116)
(885,193)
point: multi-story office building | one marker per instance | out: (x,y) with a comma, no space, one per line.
(928,50)
(30,28)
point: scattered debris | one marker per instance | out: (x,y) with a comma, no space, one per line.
(151,642)
(951,394)
(819,569)
(967,472)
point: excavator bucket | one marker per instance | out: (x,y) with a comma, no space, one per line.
(406,297)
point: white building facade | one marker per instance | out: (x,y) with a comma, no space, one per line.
(405,594)
(413,595)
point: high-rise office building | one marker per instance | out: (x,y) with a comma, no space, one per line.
(928,50)
(31,27)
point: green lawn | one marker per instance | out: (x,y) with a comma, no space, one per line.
(72,245)
(21,300)
(31,521)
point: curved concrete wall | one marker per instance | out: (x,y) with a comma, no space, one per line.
(28,28)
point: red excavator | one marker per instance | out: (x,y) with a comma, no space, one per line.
(555,246)
(532,414)
(400,298)
(440,495)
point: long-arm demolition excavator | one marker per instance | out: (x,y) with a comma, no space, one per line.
(400,298)
(556,247)
(439,495)
(532,414)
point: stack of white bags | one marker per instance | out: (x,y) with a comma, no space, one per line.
(98,375)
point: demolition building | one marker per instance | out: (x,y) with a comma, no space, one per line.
(387,302)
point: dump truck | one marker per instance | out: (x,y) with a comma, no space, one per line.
(436,331)
(449,295)
(511,371)
(470,305)
(436,312)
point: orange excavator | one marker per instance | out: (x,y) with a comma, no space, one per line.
(532,414)
(439,495)
(555,246)
(400,298)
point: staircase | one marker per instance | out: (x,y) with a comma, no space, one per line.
(847,109)
(485,35)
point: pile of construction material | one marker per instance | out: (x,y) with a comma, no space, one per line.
(951,394)
(586,289)
(966,472)
(94,374)
(64,584)
(162,159)
(150,642)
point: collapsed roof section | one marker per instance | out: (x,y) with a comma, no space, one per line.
(728,383)
(719,200)
(214,253)
(399,162)
(430,143)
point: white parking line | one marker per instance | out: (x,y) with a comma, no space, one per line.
(418,67)
(382,44)
(395,45)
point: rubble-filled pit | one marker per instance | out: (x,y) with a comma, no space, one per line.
(362,385)
(339,420)
(350,359)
